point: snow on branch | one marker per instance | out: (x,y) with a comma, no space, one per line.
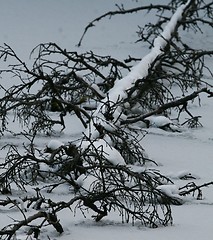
(139,71)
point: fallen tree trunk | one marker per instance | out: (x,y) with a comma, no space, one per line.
(108,109)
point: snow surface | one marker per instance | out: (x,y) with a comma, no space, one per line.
(24,24)
(54,144)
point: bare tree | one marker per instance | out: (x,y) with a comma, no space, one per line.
(106,169)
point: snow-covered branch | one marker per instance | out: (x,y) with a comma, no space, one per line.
(106,168)
(140,71)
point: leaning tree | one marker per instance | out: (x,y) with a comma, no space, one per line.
(106,168)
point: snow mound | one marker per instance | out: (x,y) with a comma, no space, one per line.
(170,191)
(54,145)
(86,181)
(108,152)
(158,121)
(184,174)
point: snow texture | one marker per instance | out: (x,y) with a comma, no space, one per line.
(158,121)
(86,181)
(108,152)
(54,144)
(170,191)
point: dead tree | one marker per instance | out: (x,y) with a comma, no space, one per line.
(107,168)
(149,74)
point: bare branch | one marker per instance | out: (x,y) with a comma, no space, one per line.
(172,104)
(122,12)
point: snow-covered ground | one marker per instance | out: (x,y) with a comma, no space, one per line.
(26,23)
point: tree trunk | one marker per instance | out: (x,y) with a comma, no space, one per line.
(109,108)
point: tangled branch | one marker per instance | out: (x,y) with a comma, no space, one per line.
(107,168)
(102,177)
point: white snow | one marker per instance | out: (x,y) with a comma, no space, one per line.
(98,90)
(140,70)
(54,144)
(182,174)
(158,121)
(24,24)
(109,152)
(170,190)
(86,181)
